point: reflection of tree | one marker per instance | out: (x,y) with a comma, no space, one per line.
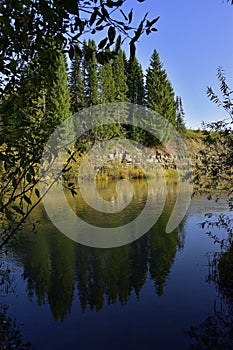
(55,267)
(48,268)
(60,293)
(162,247)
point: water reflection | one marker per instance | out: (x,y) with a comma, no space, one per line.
(216,331)
(57,270)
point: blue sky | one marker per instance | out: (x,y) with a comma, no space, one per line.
(194,38)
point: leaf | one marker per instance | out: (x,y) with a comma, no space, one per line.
(28,177)
(150,23)
(117,3)
(130,16)
(37,192)
(111,34)
(123,14)
(18,209)
(27,199)
(102,43)
(104,12)
(93,16)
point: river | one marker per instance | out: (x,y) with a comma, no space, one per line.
(152,293)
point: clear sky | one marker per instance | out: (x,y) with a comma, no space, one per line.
(194,38)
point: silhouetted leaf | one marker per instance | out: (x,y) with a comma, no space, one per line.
(111,34)
(27,199)
(130,16)
(102,43)
(37,192)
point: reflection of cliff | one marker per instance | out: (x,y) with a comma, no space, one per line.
(56,268)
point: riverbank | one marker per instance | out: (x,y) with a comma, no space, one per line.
(136,163)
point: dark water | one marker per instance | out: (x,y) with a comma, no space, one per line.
(147,294)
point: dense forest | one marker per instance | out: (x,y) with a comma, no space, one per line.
(37,105)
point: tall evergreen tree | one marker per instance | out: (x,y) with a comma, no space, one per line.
(57,96)
(38,105)
(107,83)
(135,82)
(76,83)
(160,95)
(136,95)
(180,115)
(90,74)
(119,74)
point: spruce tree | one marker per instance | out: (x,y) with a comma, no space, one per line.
(38,105)
(135,82)
(136,95)
(107,95)
(119,74)
(57,96)
(160,94)
(107,83)
(76,83)
(90,74)
(180,115)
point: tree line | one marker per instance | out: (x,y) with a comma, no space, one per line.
(48,93)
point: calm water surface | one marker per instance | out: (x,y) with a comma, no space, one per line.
(147,294)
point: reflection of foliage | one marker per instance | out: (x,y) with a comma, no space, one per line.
(10,336)
(48,271)
(56,268)
(214,333)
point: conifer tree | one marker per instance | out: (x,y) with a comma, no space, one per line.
(76,83)
(57,96)
(135,82)
(90,74)
(107,83)
(119,74)
(180,115)
(38,105)
(160,94)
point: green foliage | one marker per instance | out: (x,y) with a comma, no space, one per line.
(107,84)
(76,83)
(25,27)
(29,116)
(136,93)
(217,160)
(90,74)
(159,92)
(180,116)
(121,86)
